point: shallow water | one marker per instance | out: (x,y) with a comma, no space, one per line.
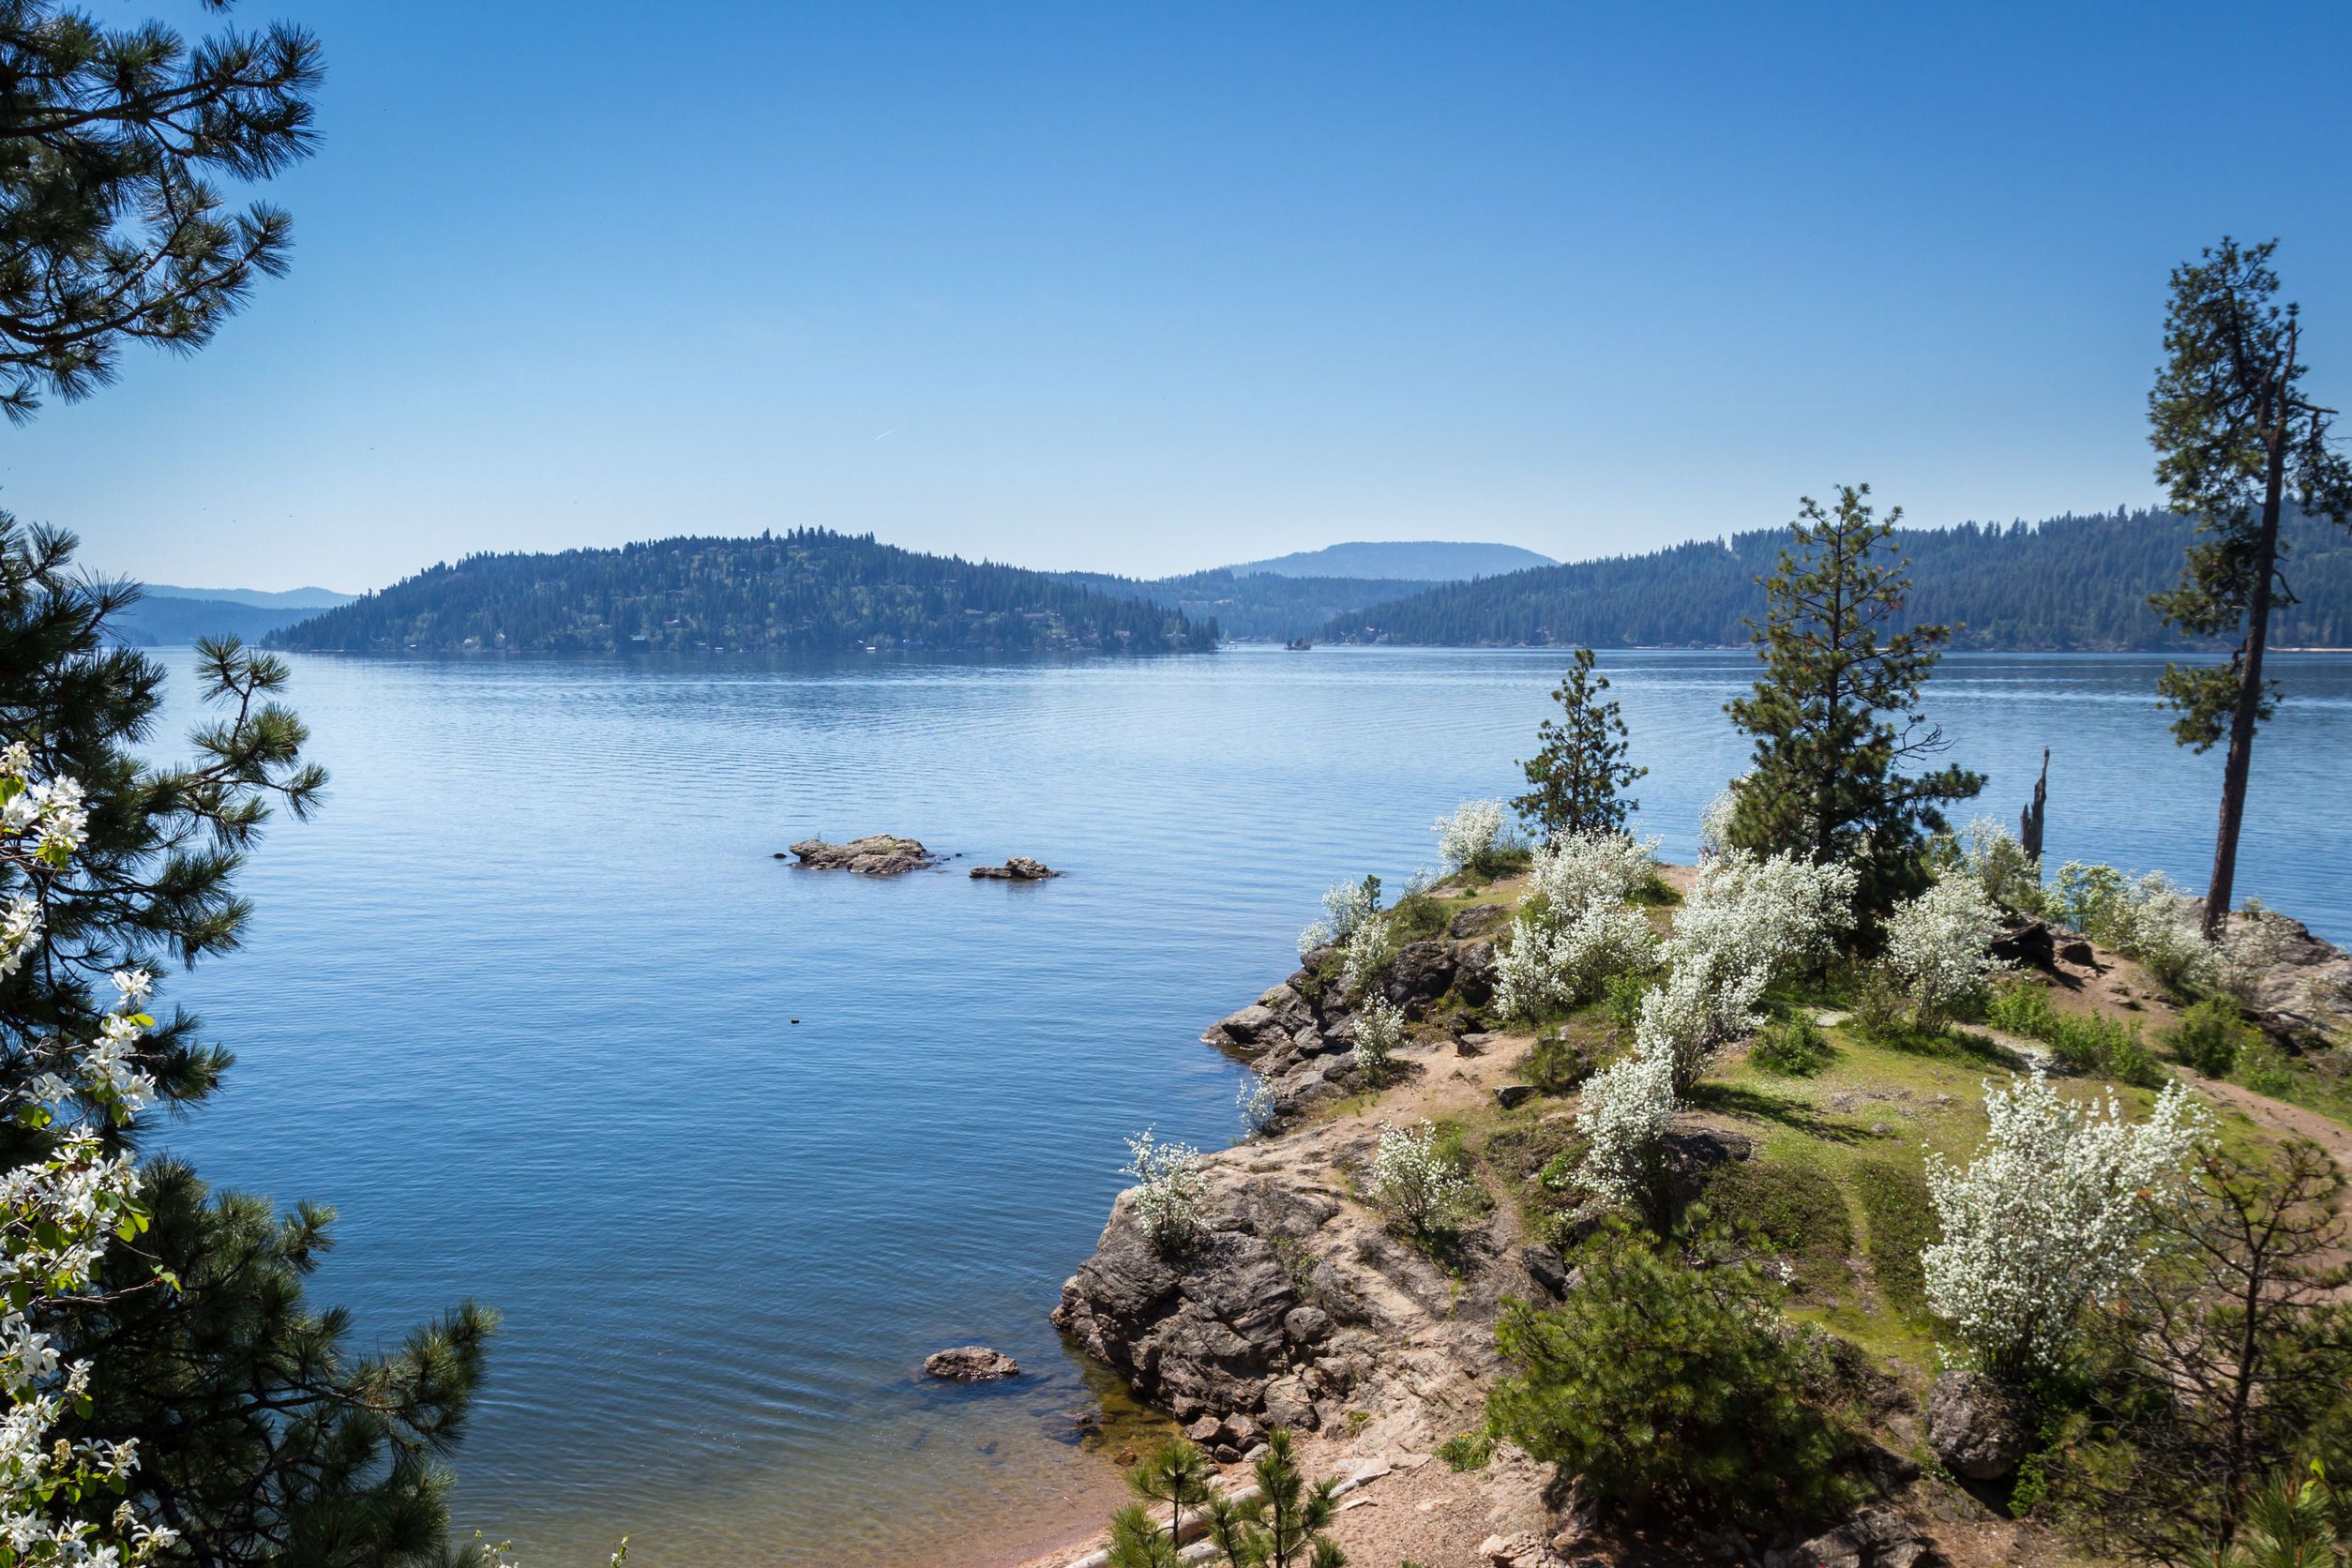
(521,1004)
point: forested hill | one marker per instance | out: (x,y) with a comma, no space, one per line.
(2072,583)
(806,590)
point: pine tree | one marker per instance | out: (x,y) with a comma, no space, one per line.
(109,230)
(261,1436)
(1177,1474)
(1836,712)
(1579,768)
(2236,433)
(1282,1526)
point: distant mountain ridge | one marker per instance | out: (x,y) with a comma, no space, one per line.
(1409,561)
(1259,605)
(272,599)
(807,590)
(2072,583)
(171,621)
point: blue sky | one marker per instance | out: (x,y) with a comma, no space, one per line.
(1146,288)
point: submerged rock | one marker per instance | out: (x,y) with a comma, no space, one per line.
(879,854)
(1018,868)
(971,1364)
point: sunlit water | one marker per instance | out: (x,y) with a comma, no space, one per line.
(521,1004)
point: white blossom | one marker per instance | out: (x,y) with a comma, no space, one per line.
(1379,1030)
(1937,944)
(1346,907)
(1627,1108)
(1556,962)
(1170,1187)
(2051,1218)
(1369,949)
(1991,855)
(1747,922)
(1258,1103)
(1475,834)
(57,1213)
(1576,868)
(1415,1178)
(1715,822)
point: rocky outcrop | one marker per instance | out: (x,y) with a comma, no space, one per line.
(1875,1538)
(1294,1308)
(971,1364)
(879,854)
(1977,1427)
(2303,995)
(1020,869)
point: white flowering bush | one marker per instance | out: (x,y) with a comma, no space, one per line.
(1369,951)
(1476,835)
(1379,1030)
(1418,1181)
(2051,1218)
(1255,1098)
(1937,946)
(1169,1188)
(1714,822)
(1576,868)
(2150,918)
(1748,921)
(1628,1106)
(1346,908)
(57,1214)
(1554,962)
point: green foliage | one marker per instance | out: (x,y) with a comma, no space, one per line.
(2080,1043)
(1791,1045)
(1666,1386)
(2211,1035)
(1901,1222)
(1282,1526)
(2263,1068)
(1177,1474)
(1266,605)
(261,1431)
(1579,767)
(806,590)
(1620,997)
(1466,1451)
(2068,582)
(1836,718)
(112,229)
(2291,1524)
(1556,1065)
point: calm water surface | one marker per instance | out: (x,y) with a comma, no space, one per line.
(520,1004)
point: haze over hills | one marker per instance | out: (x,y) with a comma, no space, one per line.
(1257,605)
(1410,561)
(273,598)
(2070,582)
(807,590)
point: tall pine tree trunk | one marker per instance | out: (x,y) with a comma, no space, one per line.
(2239,762)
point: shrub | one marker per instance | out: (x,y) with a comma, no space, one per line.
(2101,1046)
(1987,853)
(1466,1451)
(1255,1099)
(1793,1046)
(2148,918)
(1938,947)
(1554,961)
(1576,868)
(2264,1070)
(1628,1106)
(1479,839)
(1369,952)
(1554,1064)
(2021,1007)
(1661,1385)
(1170,1189)
(1421,1179)
(2050,1217)
(1379,1030)
(1345,908)
(1621,998)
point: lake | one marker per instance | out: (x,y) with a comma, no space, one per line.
(734,1145)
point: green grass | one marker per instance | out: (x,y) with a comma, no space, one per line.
(1795,1208)
(1899,1222)
(1466,1451)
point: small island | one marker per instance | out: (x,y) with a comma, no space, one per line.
(878,855)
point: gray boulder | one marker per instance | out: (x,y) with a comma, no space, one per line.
(1875,1538)
(1020,869)
(1977,1427)
(879,854)
(1421,972)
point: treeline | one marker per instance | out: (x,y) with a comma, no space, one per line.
(806,590)
(2070,582)
(1255,604)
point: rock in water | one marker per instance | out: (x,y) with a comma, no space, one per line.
(1020,869)
(1976,1427)
(971,1364)
(879,854)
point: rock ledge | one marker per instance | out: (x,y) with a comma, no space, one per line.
(879,854)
